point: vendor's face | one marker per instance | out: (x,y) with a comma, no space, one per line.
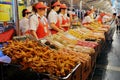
(28,15)
(57,7)
(41,11)
(114,16)
(64,10)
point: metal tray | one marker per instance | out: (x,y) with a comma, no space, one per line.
(71,76)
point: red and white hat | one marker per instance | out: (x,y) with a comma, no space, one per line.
(57,3)
(102,14)
(40,5)
(63,6)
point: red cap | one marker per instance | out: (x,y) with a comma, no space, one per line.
(57,3)
(27,11)
(40,5)
(63,6)
(102,14)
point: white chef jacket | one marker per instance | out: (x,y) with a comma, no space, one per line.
(53,17)
(87,19)
(62,16)
(34,21)
(24,25)
(105,18)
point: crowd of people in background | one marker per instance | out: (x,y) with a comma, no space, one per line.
(24,22)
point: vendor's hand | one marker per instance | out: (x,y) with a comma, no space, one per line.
(67,25)
(49,34)
(61,28)
(37,38)
(61,31)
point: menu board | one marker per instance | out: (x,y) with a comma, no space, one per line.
(8,0)
(5,12)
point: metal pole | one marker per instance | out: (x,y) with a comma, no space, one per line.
(71,5)
(16,16)
(81,5)
(81,10)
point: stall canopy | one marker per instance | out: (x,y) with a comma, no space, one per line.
(103,5)
(110,6)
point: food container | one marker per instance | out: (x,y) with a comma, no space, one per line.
(86,72)
(20,37)
(25,37)
(75,74)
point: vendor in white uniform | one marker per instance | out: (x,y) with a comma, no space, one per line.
(24,22)
(53,18)
(64,19)
(87,19)
(38,22)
